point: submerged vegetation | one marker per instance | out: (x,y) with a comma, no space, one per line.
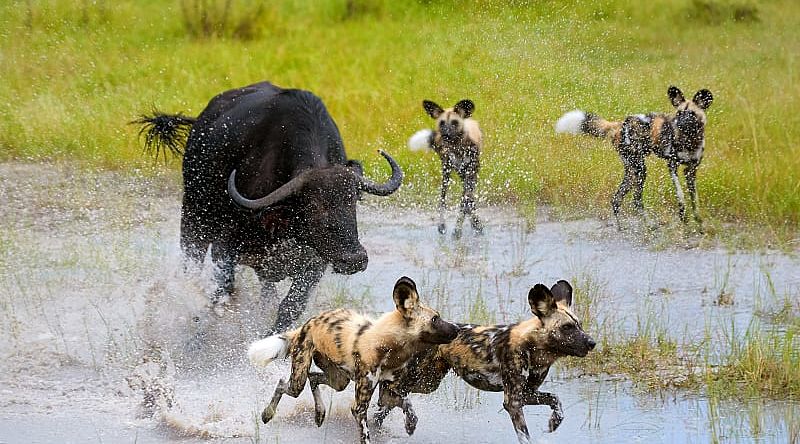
(74,73)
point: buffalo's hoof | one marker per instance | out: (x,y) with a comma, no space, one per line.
(442,228)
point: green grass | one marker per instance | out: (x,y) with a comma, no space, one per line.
(74,73)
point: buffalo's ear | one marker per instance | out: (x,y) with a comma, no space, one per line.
(356,166)
(405,295)
(675,96)
(432,108)
(703,98)
(562,292)
(464,108)
(541,301)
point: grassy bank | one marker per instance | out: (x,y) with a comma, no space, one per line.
(75,72)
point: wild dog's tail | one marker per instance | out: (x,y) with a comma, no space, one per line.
(165,132)
(262,352)
(421,140)
(579,122)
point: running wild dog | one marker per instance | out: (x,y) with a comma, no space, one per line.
(677,138)
(457,139)
(513,359)
(348,346)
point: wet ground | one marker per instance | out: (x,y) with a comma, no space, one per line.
(97,314)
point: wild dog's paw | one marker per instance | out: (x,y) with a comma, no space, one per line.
(457,233)
(477,225)
(319,416)
(555,421)
(267,414)
(411,422)
(442,228)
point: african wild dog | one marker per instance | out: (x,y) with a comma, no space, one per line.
(457,139)
(348,346)
(678,138)
(512,358)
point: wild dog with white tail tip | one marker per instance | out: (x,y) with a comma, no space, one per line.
(677,138)
(457,139)
(349,346)
(513,359)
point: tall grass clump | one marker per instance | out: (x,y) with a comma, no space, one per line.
(75,72)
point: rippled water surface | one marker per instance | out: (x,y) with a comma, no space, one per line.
(95,306)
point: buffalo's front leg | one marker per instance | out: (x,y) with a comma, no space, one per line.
(293,305)
(225,265)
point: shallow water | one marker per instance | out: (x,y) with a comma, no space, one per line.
(94,305)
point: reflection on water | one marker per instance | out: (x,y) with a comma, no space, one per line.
(97,314)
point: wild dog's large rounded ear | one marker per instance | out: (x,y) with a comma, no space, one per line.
(541,301)
(675,96)
(703,98)
(405,295)
(562,292)
(432,108)
(464,108)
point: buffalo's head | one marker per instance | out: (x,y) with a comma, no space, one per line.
(323,205)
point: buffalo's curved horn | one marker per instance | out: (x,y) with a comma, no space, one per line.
(391,185)
(272,198)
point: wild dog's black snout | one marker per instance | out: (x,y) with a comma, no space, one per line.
(441,332)
(590,343)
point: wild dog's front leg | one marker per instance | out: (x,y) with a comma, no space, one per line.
(673,172)
(534,397)
(691,176)
(388,400)
(513,405)
(364,389)
(446,176)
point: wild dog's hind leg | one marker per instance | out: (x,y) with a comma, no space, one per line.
(624,188)
(301,362)
(640,169)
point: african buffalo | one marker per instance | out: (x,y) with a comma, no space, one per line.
(267,184)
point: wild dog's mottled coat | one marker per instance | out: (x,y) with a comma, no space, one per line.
(678,138)
(457,139)
(514,359)
(347,346)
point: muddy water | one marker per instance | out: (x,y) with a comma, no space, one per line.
(97,315)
